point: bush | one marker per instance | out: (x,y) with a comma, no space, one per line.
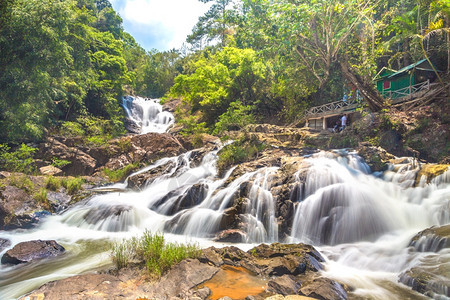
(120,174)
(191,126)
(20,160)
(60,163)
(71,129)
(236,117)
(153,252)
(72,185)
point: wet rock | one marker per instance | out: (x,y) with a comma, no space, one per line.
(180,199)
(431,171)
(16,209)
(181,278)
(58,201)
(139,181)
(284,285)
(111,218)
(429,277)
(323,288)
(376,157)
(4,243)
(231,236)
(433,239)
(30,251)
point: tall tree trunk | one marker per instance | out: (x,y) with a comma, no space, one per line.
(367,90)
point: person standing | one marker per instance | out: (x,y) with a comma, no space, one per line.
(343,122)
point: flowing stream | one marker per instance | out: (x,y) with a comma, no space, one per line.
(361,221)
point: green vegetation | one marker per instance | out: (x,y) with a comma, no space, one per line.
(72,184)
(41,197)
(53,183)
(21,181)
(151,251)
(20,160)
(244,149)
(120,174)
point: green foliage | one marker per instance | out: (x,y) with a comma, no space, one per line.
(236,117)
(72,185)
(191,126)
(120,174)
(218,80)
(60,163)
(153,252)
(242,150)
(20,160)
(71,129)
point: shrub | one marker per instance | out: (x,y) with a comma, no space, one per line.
(192,126)
(120,174)
(236,117)
(72,185)
(20,160)
(71,129)
(60,163)
(153,252)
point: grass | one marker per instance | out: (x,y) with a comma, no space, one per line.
(151,250)
(120,174)
(52,183)
(242,150)
(72,185)
(21,182)
(41,197)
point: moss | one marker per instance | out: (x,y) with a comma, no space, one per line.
(431,171)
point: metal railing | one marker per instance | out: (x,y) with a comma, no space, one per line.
(329,107)
(407,91)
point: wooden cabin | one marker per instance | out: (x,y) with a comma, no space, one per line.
(406,81)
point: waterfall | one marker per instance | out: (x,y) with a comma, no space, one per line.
(147,114)
(361,221)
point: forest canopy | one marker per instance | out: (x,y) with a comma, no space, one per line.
(65,64)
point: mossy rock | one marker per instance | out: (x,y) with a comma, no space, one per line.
(431,171)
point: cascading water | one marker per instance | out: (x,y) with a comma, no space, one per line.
(361,221)
(147,114)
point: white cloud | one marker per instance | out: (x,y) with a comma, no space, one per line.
(173,19)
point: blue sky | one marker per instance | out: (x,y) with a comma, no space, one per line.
(159,24)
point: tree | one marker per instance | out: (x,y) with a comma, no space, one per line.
(320,33)
(214,25)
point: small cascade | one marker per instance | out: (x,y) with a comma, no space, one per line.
(261,222)
(147,114)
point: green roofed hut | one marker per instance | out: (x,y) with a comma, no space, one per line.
(407,82)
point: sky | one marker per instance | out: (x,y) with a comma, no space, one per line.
(159,24)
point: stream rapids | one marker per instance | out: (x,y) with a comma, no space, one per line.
(361,221)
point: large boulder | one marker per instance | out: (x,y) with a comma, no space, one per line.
(80,162)
(140,180)
(31,251)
